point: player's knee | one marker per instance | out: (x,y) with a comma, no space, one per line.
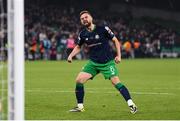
(80,80)
(115,80)
(83,77)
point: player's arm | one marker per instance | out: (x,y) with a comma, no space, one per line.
(118,49)
(111,35)
(75,51)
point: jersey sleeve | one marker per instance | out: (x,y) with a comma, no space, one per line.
(108,32)
(80,40)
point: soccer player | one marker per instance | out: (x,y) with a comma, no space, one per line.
(101,60)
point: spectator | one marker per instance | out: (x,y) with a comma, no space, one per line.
(70,44)
(33,48)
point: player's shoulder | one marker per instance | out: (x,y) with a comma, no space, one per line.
(107,28)
(100,26)
(103,27)
(82,32)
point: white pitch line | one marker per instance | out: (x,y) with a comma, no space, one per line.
(104,88)
(90,91)
(108,92)
(152,93)
(166,88)
(3,82)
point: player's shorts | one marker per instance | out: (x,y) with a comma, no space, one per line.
(107,69)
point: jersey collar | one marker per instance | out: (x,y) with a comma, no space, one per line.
(92,30)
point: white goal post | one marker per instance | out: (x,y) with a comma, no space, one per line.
(15,14)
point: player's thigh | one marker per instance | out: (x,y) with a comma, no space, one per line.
(90,68)
(83,77)
(109,70)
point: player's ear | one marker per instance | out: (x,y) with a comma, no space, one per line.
(92,19)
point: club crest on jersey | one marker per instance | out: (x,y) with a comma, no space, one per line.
(96,36)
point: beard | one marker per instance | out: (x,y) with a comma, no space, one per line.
(86,24)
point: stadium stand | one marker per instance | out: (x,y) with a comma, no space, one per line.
(47,29)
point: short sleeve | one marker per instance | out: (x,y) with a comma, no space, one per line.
(108,32)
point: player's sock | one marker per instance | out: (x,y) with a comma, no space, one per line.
(123,90)
(79,93)
(80,105)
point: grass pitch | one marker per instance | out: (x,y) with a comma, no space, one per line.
(154,85)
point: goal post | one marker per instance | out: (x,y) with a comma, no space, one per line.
(15,14)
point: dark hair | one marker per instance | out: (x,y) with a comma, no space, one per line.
(84,11)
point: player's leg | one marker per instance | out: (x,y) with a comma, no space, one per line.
(79,90)
(88,72)
(124,92)
(110,71)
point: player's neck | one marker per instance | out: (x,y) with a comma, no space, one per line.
(91,27)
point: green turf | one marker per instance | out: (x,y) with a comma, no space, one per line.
(50,85)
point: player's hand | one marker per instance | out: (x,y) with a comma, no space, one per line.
(117,59)
(69,59)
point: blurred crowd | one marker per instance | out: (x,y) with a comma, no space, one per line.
(51,33)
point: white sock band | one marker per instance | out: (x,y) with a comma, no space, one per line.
(80,105)
(130,102)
